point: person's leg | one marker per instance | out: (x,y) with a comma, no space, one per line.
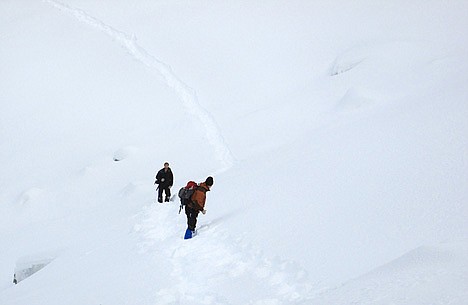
(194,219)
(191,218)
(160,190)
(167,190)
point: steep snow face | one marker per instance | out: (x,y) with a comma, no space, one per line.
(336,134)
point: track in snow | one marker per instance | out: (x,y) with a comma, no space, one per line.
(212,267)
(186,94)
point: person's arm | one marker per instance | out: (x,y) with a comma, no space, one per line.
(202,202)
(199,198)
(171,178)
(158,177)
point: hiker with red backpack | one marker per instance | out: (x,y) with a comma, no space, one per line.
(195,203)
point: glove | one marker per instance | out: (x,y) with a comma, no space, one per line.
(203,212)
(169,186)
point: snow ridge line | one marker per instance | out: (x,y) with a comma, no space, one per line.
(186,94)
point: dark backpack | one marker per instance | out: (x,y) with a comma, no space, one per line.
(186,192)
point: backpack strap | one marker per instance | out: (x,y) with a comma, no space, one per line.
(201,189)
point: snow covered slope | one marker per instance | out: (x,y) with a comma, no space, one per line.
(336,133)
(426,275)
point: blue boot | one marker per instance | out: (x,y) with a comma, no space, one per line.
(188,234)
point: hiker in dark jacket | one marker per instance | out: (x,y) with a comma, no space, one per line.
(197,203)
(164,179)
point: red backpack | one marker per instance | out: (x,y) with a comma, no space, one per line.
(186,192)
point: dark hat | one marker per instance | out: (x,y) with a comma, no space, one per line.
(209,181)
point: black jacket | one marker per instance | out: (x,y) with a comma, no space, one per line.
(165,179)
